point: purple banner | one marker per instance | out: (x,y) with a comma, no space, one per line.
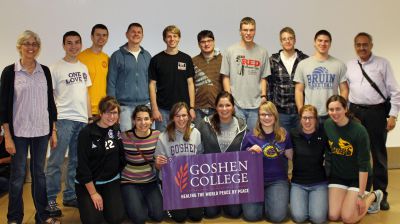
(212,179)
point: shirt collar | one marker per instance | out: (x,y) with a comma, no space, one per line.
(19,68)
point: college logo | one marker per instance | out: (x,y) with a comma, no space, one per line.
(345,148)
(271,151)
(104,64)
(181,177)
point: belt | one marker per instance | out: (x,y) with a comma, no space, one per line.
(369,106)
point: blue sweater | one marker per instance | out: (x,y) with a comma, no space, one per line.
(127,78)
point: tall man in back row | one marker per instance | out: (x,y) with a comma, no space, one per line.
(244,69)
(368,105)
(320,76)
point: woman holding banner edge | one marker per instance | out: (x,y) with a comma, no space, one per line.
(179,131)
(275,144)
(222,132)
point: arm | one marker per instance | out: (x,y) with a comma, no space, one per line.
(344,90)
(362,178)
(8,140)
(191,97)
(264,90)
(112,75)
(153,101)
(89,106)
(299,95)
(96,197)
(226,83)
(53,137)
(289,153)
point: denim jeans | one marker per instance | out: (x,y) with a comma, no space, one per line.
(200,115)
(143,201)
(162,125)
(309,203)
(232,211)
(67,136)
(125,121)
(248,115)
(38,149)
(276,200)
(289,121)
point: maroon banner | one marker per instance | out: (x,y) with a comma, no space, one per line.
(212,179)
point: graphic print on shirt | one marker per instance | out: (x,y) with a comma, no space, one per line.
(343,147)
(183,148)
(251,66)
(182,66)
(201,78)
(271,150)
(76,78)
(320,79)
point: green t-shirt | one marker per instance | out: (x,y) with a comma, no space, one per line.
(350,149)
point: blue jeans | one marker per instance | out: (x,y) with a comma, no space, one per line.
(143,201)
(248,115)
(162,125)
(38,150)
(200,115)
(125,121)
(289,121)
(276,200)
(67,136)
(309,203)
(232,211)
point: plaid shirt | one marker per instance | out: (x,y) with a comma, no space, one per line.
(281,85)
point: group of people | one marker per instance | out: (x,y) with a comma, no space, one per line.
(286,107)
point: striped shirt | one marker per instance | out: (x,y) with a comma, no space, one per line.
(30,113)
(137,169)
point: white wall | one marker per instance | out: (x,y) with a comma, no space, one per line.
(52,18)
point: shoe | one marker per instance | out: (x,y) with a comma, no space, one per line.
(71,203)
(53,209)
(376,205)
(385,205)
(52,221)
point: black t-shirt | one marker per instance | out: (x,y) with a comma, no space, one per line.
(171,73)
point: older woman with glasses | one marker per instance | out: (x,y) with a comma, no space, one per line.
(27,114)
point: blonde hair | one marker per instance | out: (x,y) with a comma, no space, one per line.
(24,36)
(280,133)
(173,29)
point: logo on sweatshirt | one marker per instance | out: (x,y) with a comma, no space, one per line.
(181,66)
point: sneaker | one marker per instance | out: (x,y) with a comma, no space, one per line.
(53,209)
(376,205)
(71,203)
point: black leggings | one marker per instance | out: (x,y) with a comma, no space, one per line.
(113,208)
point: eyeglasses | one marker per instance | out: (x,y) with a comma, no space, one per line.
(111,113)
(287,39)
(206,41)
(362,45)
(34,45)
(266,115)
(307,118)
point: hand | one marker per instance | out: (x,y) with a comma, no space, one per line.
(192,114)
(53,140)
(391,123)
(361,206)
(255,148)
(10,146)
(263,99)
(97,201)
(157,115)
(160,161)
